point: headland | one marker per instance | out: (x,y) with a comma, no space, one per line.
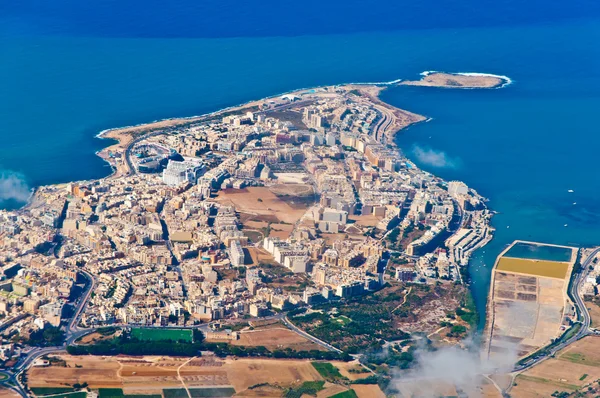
(259,212)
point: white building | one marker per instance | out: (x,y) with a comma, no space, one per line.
(457,188)
(178,173)
(236,254)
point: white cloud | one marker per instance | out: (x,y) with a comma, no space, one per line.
(433,157)
(461,368)
(13,187)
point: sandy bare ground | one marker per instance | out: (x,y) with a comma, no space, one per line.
(8,393)
(261,204)
(275,337)
(368,391)
(365,220)
(449,80)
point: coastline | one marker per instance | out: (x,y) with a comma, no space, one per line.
(124,135)
(399,119)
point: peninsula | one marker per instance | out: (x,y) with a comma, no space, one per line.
(458,80)
(290,227)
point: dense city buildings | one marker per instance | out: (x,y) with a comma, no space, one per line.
(292,201)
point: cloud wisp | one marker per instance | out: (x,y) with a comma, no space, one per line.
(13,187)
(434,158)
(452,367)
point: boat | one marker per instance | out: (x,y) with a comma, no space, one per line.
(570,191)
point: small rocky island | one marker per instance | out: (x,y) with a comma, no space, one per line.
(458,80)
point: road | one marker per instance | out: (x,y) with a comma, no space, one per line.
(312,338)
(72,333)
(132,170)
(584,315)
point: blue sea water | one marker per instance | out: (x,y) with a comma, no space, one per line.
(539,252)
(69,69)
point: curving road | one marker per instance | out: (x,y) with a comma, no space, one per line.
(72,333)
(312,338)
(583,318)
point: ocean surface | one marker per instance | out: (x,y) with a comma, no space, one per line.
(69,70)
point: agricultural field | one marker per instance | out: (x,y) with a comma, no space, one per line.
(594,310)
(479,387)
(204,376)
(327,370)
(118,393)
(150,375)
(8,393)
(368,391)
(575,368)
(147,334)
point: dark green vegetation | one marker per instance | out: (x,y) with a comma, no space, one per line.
(213,392)
(308,388)
(372,322)
(129,344)
(175,393)
(396,357)
(365,323)
(210,392)
(110,393)
(327,370)
(467,311)
(40,391)
(118,393)
(49,336)
(146,334)
(457,331)
(367,380)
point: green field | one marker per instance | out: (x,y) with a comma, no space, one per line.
(307,388)
(145,334)
(118,393)
(79,394)
(327,370)
(345,394)
(41,391)
(110,393)
(175,393)
(216,392)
